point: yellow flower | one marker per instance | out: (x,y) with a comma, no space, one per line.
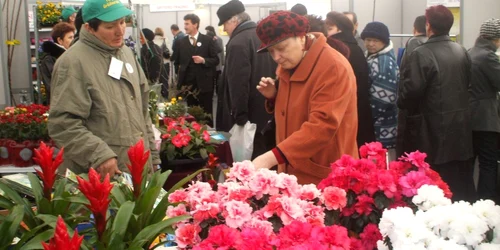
(180,98)
(174,99)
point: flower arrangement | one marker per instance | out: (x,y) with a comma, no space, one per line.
(182,139)
(439,224)
(258,209)
(371,188)
(129,42)
(48,13)
(23,122)
(199,114)
(173,109)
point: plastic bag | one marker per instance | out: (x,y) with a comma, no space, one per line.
(241,141)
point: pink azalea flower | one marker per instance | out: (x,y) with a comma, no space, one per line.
(237,213)
(364,206)
(263,182)
(295,234)
(254,239)
(178,196)
(288,184)
(334,198)
(370,236)
(205,210)
(417,159)
(176,211)
(291,210)
(223,237)
(345,161)
(242,171)
(187,235)
(262,225)
(308,192)
(412,181)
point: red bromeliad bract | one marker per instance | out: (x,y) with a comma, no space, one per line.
(61,238)
(43,157)
(97,193)
(138,159)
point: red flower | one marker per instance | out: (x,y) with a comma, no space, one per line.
(138,159)
(212,160)
(206,136)
(334,198)
(411,182)
(370,236)
(97,193)
(436,179)
(364,205)
(166,136)
(222,237)
(61,238)
(197,127)
(43,157)
(374,151)
(177,141)
(295,234)
(185,139)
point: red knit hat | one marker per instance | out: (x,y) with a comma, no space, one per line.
(280,26)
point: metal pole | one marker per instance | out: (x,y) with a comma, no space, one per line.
(28,47)
(462,23)
(2,60)
(37,45)
(351,5)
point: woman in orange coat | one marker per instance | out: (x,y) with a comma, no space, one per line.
(315,104)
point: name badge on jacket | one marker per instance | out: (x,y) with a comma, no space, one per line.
(115,68)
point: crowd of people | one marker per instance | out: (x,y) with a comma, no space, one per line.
(316,89)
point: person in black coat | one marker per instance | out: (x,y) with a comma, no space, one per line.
(196,57)
(485,85)
(340,27)
(244,68)
(62,35)
(434,94)
(151,57)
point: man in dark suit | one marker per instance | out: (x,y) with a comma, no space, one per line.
(197,59)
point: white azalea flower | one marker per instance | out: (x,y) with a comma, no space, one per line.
(488,246)
(392,216)
(381,245)
(441,244)
(488,211)
(468,229)
(429,196)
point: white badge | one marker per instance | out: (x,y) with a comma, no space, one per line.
(198,44)
(115,68)
(129,68)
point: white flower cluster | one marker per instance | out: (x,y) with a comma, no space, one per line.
(440,225)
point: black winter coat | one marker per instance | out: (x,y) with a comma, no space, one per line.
(485,84)
(366,132)
(152,61)
(53,52)
(241,101)
(434,94)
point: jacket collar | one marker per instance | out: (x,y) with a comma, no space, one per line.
(53,49)
(345,37)
(87,38)
(485,44)
(438,38)
(308,63)
(387,49)
(244,26)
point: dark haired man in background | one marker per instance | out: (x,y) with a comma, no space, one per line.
(419,37)
(354,19)
(196,57)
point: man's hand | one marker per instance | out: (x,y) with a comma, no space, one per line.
(110,167)
(198,59)
(267,160)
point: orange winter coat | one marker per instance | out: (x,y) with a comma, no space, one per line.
(316,114)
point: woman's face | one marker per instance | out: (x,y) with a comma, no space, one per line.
(288,53)
(374,45)
(67,39)
(332,30)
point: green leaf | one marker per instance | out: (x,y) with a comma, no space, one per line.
(117,195)
(29,217)
(187,148)
(120,226)
(37,189)
(36,242)
(9,227)
(188,178)
(26,236)
(203,153)
(149,233)
(5,203)
(80,199)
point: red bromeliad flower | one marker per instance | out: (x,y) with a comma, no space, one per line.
(43,157)
(138,159)
(97,193)
(212,161)
(61,238)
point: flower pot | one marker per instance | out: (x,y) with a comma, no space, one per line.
(4,152)
(20,154)
(180,169)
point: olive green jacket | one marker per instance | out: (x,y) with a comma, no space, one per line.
(96,117)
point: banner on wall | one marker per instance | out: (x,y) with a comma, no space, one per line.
(171,7)
(447,3)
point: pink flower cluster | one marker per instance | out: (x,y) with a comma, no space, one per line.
(182,133)
(257,210)
(371,187)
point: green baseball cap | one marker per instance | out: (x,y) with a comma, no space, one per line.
(67,12)
(104,10)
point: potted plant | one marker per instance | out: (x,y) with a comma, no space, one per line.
(185,147)
(199,114)
(21,130)
(48,14)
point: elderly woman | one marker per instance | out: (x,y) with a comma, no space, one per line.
(315,103)
(384,75)
(62,35)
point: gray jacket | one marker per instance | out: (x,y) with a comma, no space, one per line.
(485,84)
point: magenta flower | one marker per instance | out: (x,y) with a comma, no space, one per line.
(411,182)
(417,159)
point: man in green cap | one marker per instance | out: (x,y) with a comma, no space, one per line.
(69,15)
(100,96)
